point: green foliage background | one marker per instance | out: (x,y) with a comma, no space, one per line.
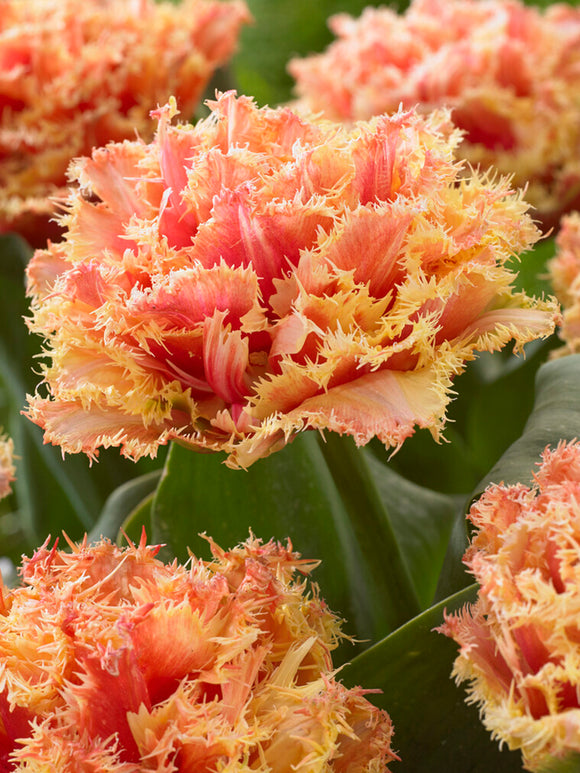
(283,29)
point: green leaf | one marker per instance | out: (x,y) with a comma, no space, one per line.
(495,396)
(293,493)
(568,764)
(381,539)
(122,503)
(453,576)
(281,30)
(546,3)
(422,521)
(370,518)
(501,403)
(435,730)
(137,521)
(555,417)
(532,270)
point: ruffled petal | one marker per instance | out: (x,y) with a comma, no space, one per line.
(261,273)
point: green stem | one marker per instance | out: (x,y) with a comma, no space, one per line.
(398,600)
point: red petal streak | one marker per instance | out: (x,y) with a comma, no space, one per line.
(463,309)
(483,126)
(554,564)
(111,173)
(369,243)
(177,151)
(535,654)
(192,646)
(14,724)
(226,359)
(478,642)
(110,686)
(184,298)
(269,241)
(376,160)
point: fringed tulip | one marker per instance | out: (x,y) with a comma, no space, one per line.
(236,282)
(520,642)
(565,276)
(7,469)
(114,662)
(78,74)
(510,74)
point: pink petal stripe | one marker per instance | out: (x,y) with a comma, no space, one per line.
(226,359)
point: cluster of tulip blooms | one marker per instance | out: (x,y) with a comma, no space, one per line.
(331,265)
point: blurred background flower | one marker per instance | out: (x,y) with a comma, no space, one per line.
(231,284)
(114,661)
(564,272)
(510,73)
(75,75)
(520,643)
(7,469)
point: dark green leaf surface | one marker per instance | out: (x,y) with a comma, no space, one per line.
(435,730)
(569,764)
(555,417)
(532,269)
(121,504)
(495,396)
(290,494)
(381,539)
(422,522)
(453,576)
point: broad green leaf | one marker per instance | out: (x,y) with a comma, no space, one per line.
(501,403)
(555,417)
(570,763)
(121,504)
(371,520)
(494,398)
(422,520)
(138,519)
(381,539)
(532,269)
(453,576)
(447,467)
(435,730)
(294,494)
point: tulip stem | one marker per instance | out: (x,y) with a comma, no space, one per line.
(396,599)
